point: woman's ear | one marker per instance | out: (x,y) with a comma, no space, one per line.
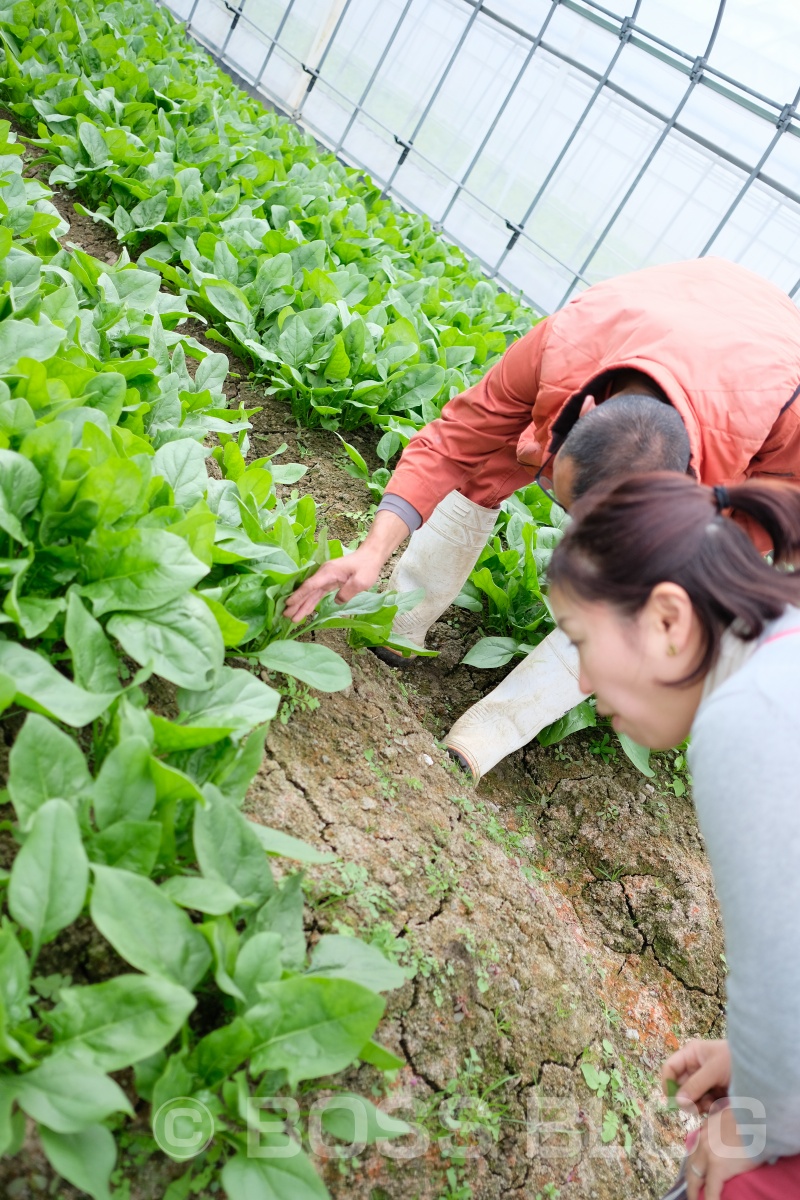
(670,620)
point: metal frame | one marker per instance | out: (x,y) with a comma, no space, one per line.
(699,71)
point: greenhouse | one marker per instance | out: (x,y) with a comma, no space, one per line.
(399,465)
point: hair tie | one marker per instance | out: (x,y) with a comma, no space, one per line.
(721,498)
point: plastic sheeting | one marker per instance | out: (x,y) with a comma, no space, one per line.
(556,140)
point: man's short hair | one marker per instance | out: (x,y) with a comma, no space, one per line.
(626,435)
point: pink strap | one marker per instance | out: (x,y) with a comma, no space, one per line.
(776,636)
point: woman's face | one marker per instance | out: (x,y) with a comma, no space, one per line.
(629,662)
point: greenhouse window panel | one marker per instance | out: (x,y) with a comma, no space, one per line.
(559,141)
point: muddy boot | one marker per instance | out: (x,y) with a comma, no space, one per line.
(438,558)
(540,690)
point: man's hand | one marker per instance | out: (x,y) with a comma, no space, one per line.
(702,1071)
(353,573)
(716,1156)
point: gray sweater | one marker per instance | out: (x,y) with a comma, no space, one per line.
(745,764)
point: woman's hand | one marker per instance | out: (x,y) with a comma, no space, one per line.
(717,1155)
(702,1071)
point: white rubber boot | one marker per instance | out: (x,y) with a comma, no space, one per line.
(439,558)
(539,691)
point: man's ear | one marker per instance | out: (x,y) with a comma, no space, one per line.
(587,406)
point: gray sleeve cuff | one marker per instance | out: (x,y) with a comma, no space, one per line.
(402,509)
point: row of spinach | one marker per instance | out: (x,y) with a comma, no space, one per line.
(129,577)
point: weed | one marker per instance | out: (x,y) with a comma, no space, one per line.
(470,1110)
(604,748)
(608,1084)
(387,784)
(296,698)
(350,883)
(444,879)
(502,1024)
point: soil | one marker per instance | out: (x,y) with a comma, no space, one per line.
(564,908)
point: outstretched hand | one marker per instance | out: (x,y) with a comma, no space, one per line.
(353,573)
(349,575)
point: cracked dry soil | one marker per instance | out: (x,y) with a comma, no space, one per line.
(563,903)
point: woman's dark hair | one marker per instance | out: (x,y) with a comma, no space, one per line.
(628,536)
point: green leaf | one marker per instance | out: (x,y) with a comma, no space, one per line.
(201,895)
(610,1126)
(15,976)
(221,1052)
(146,928)
(312,1027)
(45,764)
(283,914)
(130,845)
(183,465)
(284,1178)
(150,212)
(338,957)
(237,703)
(69,1095)
(597,1081)
(138,570)
(121,1021)
(491,652)
(275,842)
(378,1056)
(180,641)
(94,663)
(338,365)
(20,488)
(295,342)
(85,1159)
(639,755)
(124,788)
(211,373)
(228,850)
(13,1126)
(232,629)
(356,1120)
(44,689)
(258,961)
(361,468)
(273,273)
(316,665)
(233,778)
(228,300)
(24,339)
(582,716)
(50,875)
(93,143)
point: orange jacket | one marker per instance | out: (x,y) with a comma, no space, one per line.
(722,343)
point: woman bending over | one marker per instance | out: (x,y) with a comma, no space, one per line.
(683,628)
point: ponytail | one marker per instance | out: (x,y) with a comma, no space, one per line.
(628,536)
(773,506)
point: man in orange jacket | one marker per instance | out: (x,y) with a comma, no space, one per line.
(701,361)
